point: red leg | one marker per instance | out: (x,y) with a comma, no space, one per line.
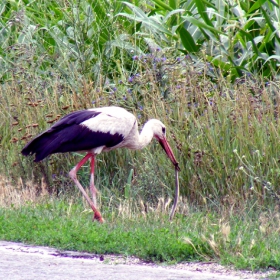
(73,176)
(91,186)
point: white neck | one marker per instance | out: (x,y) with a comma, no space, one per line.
(146,136)
(137,141)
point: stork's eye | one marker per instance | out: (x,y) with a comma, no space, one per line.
(163,130)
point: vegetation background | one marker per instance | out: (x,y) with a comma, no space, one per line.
(207,69)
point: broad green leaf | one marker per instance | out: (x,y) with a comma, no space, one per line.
(270,24)
(202,11)
(2,7)
(256,6)
(226,67)
(273,57)
(163,5)
(201,24)
(219,63)
(187,40)
(174,4)
(170,14)
(268,21)
(251,39)
(137,11)
(148,22)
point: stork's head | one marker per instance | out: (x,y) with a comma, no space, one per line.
(159,130)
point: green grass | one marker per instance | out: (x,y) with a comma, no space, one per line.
(68,227)
(243,240)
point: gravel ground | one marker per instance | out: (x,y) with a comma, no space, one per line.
(19,261)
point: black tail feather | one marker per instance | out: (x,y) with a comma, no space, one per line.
(61,136)
(40,146)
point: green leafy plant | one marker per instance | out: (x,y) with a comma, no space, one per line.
(236,38)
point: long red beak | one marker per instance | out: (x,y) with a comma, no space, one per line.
(165,145)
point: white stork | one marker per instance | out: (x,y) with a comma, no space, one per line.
(94,131)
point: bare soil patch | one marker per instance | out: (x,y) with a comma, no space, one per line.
(21,261)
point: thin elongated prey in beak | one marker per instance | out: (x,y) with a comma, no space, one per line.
(176,197)
(165,145)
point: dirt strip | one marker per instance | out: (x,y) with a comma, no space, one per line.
(19,261)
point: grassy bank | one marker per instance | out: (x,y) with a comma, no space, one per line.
(248,241)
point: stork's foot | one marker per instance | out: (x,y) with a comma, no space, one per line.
(97,216)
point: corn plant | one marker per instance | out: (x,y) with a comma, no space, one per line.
(236,37)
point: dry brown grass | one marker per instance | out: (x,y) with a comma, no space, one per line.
(18,194)
(131,208)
